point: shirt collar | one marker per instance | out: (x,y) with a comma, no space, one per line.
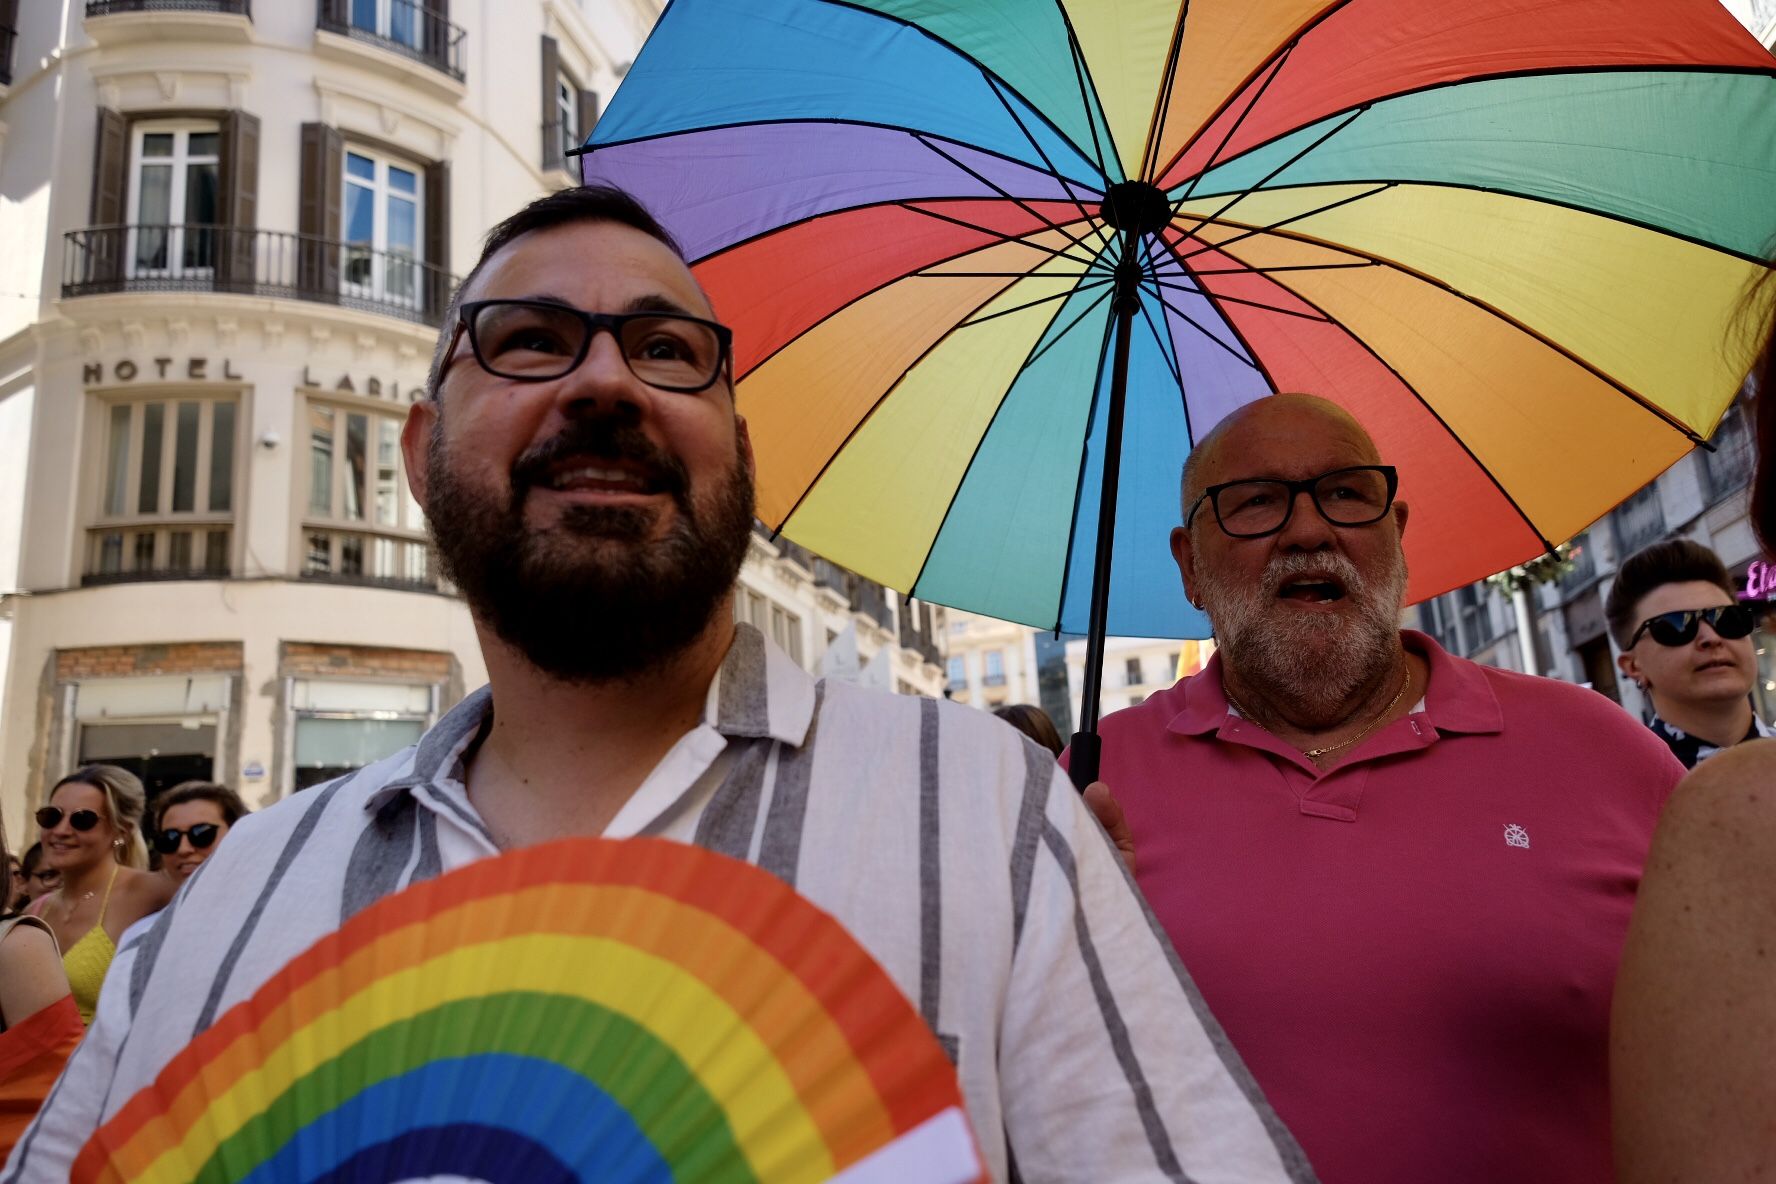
(1459,698)
(759,692)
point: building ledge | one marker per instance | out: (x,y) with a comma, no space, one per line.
(123,22)
(373,55)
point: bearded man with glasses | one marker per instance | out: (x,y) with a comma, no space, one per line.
(1401,880)
(589,482)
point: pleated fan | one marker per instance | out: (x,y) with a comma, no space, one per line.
(595,1010)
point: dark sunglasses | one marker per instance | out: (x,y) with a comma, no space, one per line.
(1730,621)
(50,817)
(539,340)
(201,835)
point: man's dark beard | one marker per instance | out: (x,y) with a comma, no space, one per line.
(591,601)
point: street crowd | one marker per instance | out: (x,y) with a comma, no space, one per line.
(1343,906)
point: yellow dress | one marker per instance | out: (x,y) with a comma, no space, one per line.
(88,959)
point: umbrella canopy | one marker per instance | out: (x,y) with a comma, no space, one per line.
(1512,238)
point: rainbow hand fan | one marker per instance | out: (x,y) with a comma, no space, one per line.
(631,1011)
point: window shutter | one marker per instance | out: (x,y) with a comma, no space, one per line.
(551,119)
(588,120)
(105,250)
(437,236)
(317,260)
(8,19)
(239,169)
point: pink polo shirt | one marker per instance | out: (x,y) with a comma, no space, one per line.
(1414,951)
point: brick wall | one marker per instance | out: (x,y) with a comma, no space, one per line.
(314,660)
(121,661)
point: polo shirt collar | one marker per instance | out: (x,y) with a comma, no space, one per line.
(1458,699)
(759,693)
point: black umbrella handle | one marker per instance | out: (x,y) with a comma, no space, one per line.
(1082,759)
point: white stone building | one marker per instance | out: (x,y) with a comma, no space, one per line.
(230,229)
(991,663)
(1134,668)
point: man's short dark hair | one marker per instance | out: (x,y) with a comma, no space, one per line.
(225,799)
(1674,561)
(564,207)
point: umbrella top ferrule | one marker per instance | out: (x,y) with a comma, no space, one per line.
(1137,207)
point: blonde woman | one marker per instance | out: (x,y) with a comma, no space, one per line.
(91,835)
(39,1024)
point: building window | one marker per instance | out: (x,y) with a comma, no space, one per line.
(1437,618)
(567,113)
(958,673)
(394,20)
(174,199)
(1133,671)
(384,216)
(1476,615)
(361,522)
(786,631)
(995,668)
(1729,466)
(166,507)
(1137,700)
(340,726)
(1639,521)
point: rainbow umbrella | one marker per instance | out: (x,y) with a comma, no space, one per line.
(993,266)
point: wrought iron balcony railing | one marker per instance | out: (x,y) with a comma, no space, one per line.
(205,258)
(226,7)
(401,26)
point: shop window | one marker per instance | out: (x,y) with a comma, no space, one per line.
(166,506)
(341,726)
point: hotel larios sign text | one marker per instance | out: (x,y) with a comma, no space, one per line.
(199,370)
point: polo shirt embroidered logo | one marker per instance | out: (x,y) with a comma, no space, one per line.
(1516,836)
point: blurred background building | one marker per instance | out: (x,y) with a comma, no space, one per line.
(231,229)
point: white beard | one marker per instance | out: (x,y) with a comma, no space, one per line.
(1314,662)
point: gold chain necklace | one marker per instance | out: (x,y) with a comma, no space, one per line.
(1317,753)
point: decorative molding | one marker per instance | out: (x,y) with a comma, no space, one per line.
(135,334)
(91,340)
(179,332)
(227,331)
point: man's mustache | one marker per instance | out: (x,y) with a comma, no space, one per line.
(599,439)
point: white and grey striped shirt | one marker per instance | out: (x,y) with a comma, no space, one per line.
(954,849)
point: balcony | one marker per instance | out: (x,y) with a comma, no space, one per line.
(114,22)
(402,29)
(370,560)
(223,259)
(187,550)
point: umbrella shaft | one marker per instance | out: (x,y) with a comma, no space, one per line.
(1083,762)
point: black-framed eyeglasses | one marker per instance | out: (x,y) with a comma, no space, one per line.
(1730,621)
(1254,508)
(539,340)
(201,834)
(50,817)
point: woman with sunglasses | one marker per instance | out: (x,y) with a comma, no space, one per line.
(189,820)
(90,835)
(1686,642)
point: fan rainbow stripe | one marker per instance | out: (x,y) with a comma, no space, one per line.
(732,1039)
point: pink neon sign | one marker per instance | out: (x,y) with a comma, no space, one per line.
(1760,582)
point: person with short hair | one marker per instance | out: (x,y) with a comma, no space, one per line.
(189,820)
(40,878)
(1400,879)
(1033,722)
(589,484)
(1686,643)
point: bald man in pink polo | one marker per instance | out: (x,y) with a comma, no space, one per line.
(1400,880)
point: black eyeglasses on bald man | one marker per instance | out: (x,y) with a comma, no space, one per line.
(1254,508)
